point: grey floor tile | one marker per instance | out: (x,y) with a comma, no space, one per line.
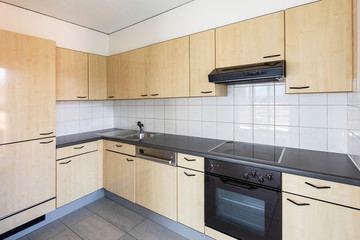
(23,238)
(100,204)
(47,231)
(148,230)
(127,237)
(121,217)
(76,217)
(96,228)
(66,235)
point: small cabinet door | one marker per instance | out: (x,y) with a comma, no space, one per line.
(253,41)
(191,199)
(202,62)
(305,218)
(97,77)
(113,77)
(319,47)
(76,177)
(119,175)
(134,73)
(169,68)
(156,187)
(71,75)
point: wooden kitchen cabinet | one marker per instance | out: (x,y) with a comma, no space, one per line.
(169,68)
(76,177)
(113,77)
(134,74)
(120,175)
(156,187)
(27,87)
(202,62)
(71,75)
(317,220)
(97,77)
(191,199)
(319,47)
(256,40)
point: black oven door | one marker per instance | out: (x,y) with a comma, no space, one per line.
(242,210)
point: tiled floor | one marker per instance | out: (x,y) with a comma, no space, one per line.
(103,220)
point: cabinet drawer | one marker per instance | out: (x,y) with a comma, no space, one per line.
(190,161)
(339,193)
(76,150)
(120,147)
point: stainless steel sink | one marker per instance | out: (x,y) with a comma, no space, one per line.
(120,133)
(143,135)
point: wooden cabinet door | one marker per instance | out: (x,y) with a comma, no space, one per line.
(71,75)
(318,220)
(156,187)
(97,77)
(169,68)
(27,174)
(27,87)
(202,62)
(191,199)
(76,177)
(319,47)
(252,41)
(119,175)
(113,77)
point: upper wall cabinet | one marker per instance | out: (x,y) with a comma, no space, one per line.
(319,47)
(27,87)
(202,62)
(97,77)
(253,41)
(169,68)
(71,75)
(134,74)
(113,77)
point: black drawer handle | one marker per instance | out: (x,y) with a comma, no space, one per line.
(271,56)
(206,92)
(111,96)
(81,97)
(143,95)
(44,134)
(298,204)
(65,162)
(317,187)
(189,160)
(117,145)
(47,142)
(129,160)
(190,175)
(78,147)
(155,94)
(299,87)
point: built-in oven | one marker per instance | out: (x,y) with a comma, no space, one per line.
(243,202)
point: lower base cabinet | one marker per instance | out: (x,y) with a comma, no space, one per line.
(156,187)
(191,198)
(76,177)
(305,218)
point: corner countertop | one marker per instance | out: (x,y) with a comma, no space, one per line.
(323,165)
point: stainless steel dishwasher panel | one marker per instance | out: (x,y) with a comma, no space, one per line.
(157,155)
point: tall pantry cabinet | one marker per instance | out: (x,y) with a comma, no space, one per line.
(27,128)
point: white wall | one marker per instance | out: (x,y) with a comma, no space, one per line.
(196,16)
(65,34)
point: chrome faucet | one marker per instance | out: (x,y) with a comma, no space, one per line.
(141,126)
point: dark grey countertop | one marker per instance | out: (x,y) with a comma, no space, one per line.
(323,165)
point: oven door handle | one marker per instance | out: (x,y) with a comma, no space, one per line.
(239,185)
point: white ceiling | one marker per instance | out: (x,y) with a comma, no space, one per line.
(106,16)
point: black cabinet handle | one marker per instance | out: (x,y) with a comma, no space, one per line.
(129,160)
(65,162)
(190,175)
(155,94)
(143,95)
(205,92)
(78,147)
(44,134)
(189,160)
(298,204)
(117,145)
(271,56)
(47,142)
(299,87)
(111,96)
(317,187)
(81,97)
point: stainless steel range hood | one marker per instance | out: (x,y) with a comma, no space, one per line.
(254,73)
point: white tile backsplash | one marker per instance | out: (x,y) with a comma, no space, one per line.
(313,138)
(313,116)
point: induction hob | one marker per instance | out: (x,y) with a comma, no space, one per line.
(249,151)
